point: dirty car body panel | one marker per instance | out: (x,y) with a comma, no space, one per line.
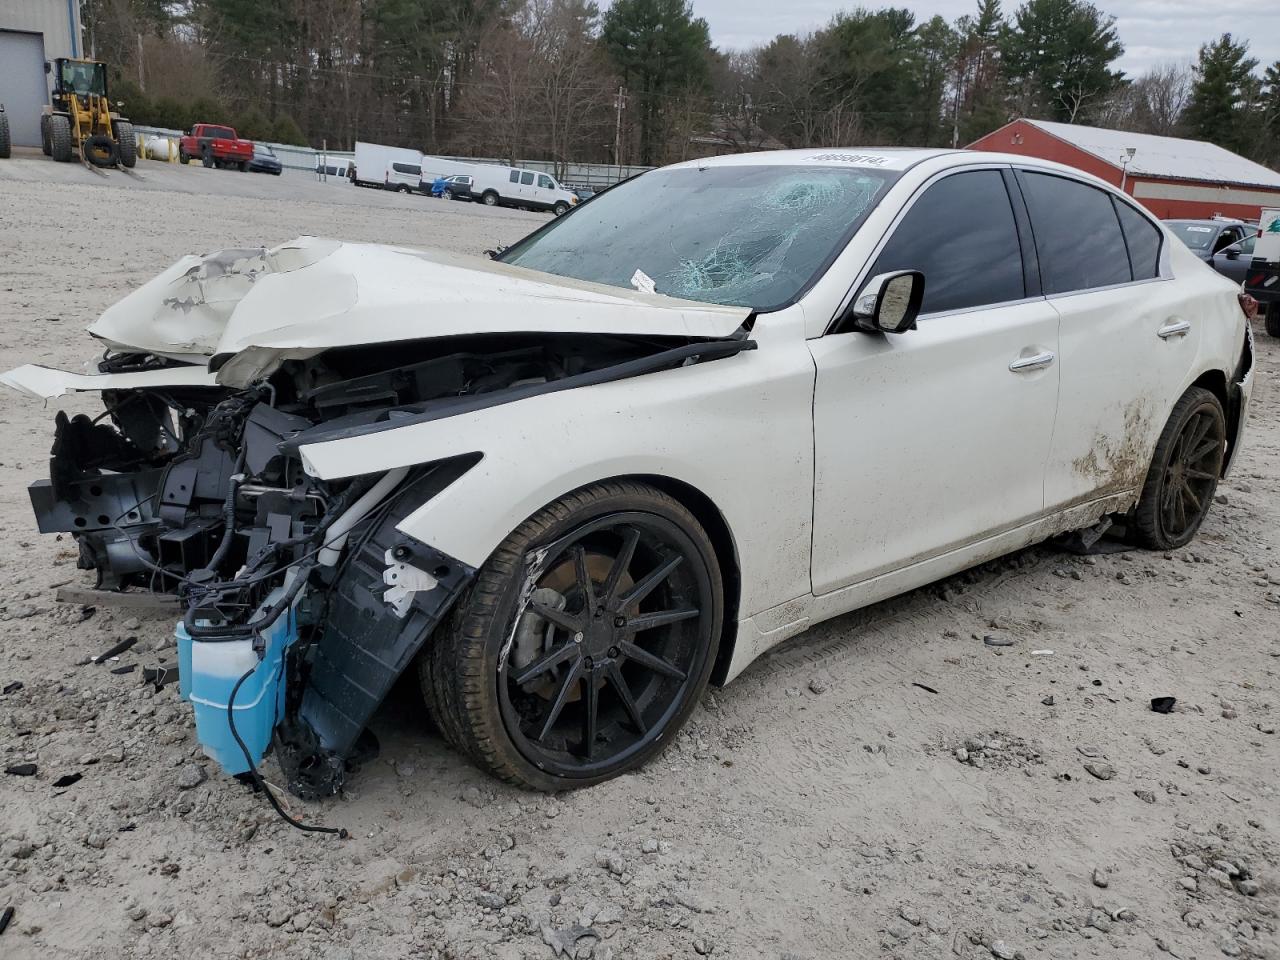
(353,436)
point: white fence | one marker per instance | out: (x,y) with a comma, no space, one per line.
(596,176)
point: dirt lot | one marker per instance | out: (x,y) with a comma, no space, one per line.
(887,784)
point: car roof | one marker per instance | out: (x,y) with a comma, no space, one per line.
(1208,221)
(888,158)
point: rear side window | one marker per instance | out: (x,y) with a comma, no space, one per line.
(961,234)
(406,168)
(1077,234)
(515,176)
(526,178)
(1142,237)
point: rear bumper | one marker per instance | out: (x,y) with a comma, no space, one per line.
(1241,389)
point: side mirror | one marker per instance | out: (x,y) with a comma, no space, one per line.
(888,303)
(1232,253)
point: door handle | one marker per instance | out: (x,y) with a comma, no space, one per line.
(1037,362)
(1174,328)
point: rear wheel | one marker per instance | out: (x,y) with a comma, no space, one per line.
(182,156)
(446,194)
(490,199)
(59,138)
(45,147)
(1272,319)
(126,143)
(5,146)
(585,641)
(1184,472)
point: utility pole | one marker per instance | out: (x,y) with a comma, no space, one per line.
(619,102)
(142,85)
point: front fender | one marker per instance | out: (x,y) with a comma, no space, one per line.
(737,429)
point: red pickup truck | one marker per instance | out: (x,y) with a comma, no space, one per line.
(215,145)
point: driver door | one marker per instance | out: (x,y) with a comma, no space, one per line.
(936,438)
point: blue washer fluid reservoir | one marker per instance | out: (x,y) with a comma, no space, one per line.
(215,665)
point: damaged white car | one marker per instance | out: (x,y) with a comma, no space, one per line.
(570,485)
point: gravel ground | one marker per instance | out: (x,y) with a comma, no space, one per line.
(886,785)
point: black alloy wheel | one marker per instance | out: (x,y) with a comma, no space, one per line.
(593,628)
(1184,473)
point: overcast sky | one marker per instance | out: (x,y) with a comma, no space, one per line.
(1152,30)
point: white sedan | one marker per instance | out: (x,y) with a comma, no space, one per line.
(573,484)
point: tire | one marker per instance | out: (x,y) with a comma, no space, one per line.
(60,147)
(182,156)
(639,695)
(1184,473)
(100,150)
(45,147)
(6,147)
(126,143)
(446,194)
(206,158)
(560,209)
(1271,319)
(490,199)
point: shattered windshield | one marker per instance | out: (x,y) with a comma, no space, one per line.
(740,236)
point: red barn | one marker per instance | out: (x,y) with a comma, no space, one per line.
(1171,177)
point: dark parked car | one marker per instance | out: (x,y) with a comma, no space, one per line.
(584,193)
(457,187)
(1233,260)
(264,160)
(1207,237)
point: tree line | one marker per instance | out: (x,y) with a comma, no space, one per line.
(642,83)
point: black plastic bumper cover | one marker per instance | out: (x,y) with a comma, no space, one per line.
(365,645)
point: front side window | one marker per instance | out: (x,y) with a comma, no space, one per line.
(750,236)
(1077,233)
(526,178)
(545,182)
(961,234)
(515,176)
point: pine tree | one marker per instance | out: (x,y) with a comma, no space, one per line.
(660,50)
(1217,111)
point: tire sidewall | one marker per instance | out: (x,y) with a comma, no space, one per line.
(494,624)
(1149,514)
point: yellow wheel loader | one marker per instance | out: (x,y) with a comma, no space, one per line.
(79,120)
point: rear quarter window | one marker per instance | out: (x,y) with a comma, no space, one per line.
(1077,234)
(1143,239)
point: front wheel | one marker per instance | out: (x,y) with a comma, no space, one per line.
(1184,472)
(585,641)
(560,209)
(126,143)
(490,199)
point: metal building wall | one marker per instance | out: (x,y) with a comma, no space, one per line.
(57,20)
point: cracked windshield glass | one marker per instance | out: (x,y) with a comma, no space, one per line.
(741,236)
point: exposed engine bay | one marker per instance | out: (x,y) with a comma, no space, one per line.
(200,491)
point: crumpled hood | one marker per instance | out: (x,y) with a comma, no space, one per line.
(250,309)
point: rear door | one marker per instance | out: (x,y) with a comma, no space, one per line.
(1126,343)
(936,438)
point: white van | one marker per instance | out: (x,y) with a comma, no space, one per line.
(392,168)
(516,187)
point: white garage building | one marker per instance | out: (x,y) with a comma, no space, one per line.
(32,32)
